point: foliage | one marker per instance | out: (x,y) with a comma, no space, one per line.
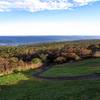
(60,60)
(13,57)
(36,60)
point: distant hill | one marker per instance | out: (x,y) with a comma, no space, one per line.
(19,40)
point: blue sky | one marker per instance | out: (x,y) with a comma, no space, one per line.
(49,17)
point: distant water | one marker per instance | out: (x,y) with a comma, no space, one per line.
(20,40)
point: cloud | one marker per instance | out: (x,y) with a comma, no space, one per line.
(38,5)
(84,2)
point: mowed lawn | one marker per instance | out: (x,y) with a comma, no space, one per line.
(22,86)
(84,67)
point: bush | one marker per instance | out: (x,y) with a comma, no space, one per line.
(21,63)
(43,57)
(13,62)
(60,60)
(77,57)
(36,60)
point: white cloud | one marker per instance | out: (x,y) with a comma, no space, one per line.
(84,2)
(38,5)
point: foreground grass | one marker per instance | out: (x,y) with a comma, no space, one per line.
(21,86)
(34,89)
(73,69)
(14,78)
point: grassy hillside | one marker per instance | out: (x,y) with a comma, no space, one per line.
(84,67)
(22,86)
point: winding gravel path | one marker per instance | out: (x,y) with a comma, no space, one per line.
(93,76)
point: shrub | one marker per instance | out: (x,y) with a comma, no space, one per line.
(13,62)
(60,60)
(21,63)
(43,57)
(77,57)
(36,60)
(85,53)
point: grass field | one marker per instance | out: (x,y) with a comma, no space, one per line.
(74,69)
(22,86)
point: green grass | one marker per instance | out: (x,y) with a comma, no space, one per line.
(22,86)
(12,79)
(54,72)
(73,69)
(34,89)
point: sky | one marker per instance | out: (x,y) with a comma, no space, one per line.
(49,17)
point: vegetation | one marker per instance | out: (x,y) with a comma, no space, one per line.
(23,86)
(36,60)
(84,67)
(78,58)
(25,57)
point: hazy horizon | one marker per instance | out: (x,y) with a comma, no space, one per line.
(20,40)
